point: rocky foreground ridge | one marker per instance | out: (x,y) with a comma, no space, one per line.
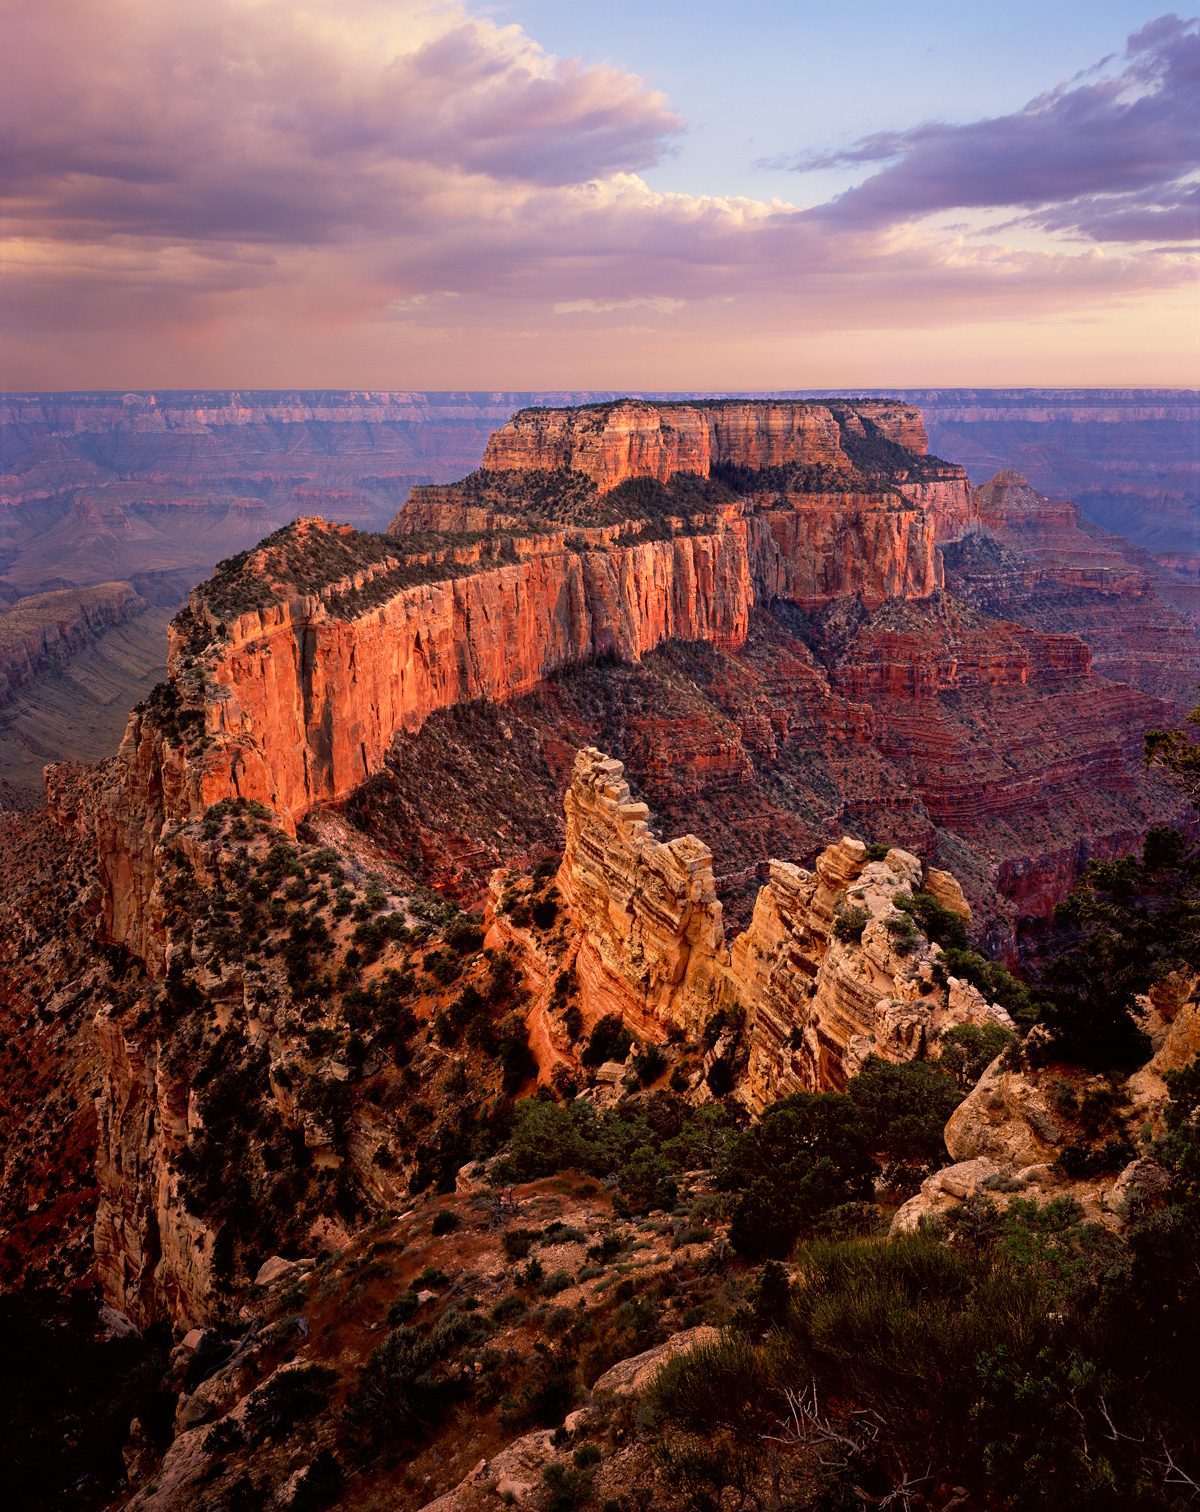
(327,1065)
(630,927)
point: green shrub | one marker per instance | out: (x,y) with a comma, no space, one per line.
(810,1152)
(509,1308)
(558,1320)
(399,1393)
(940,924)
(770,1297)
(516,1058)
(286,1399)
(969,1049)
(531,1273)
(402,1308)
(905,934)
(518,1242)
(1180,1150)
(645,1181)
(691,1234)
(464,934)
(585,1455)
(905,1108)
(609,1247)
(849,923)
(320,1484)
(727,1384)
(1027,1346)
(649,1064)
(545,911)
(566,1487)
(1080,1162)
(608,1041)
(549,1137)
(444,1222)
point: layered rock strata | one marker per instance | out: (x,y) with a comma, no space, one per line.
(652,946)
(1038,561)
(634,439)
(43,631)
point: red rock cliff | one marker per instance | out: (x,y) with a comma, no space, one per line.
(636,439)
(298,701)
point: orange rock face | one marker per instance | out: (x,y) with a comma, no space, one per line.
(829,545)
(653,943)
(301,704)
(651,947)
(635,439)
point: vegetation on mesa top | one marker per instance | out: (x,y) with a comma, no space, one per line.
(307,559)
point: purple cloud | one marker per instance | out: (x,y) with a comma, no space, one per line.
(1106,159)
(271,124)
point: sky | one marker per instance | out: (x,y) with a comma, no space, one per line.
(540,194)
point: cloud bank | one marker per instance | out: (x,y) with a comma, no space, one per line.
(1109,160)
(403,189)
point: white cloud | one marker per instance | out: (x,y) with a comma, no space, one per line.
(659,303)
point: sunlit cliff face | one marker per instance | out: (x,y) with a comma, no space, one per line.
(368,193)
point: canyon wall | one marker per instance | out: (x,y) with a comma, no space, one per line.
(45,630)
(1036,560)
(295,704)
(827,546)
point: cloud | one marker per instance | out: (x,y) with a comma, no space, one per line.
(1108,159)
(259,119)
(659,303)
(378,183)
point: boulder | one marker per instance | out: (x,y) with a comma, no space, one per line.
(631,1377)
(211,1399)
(271,1270)
(944,1189)
(115,1325)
